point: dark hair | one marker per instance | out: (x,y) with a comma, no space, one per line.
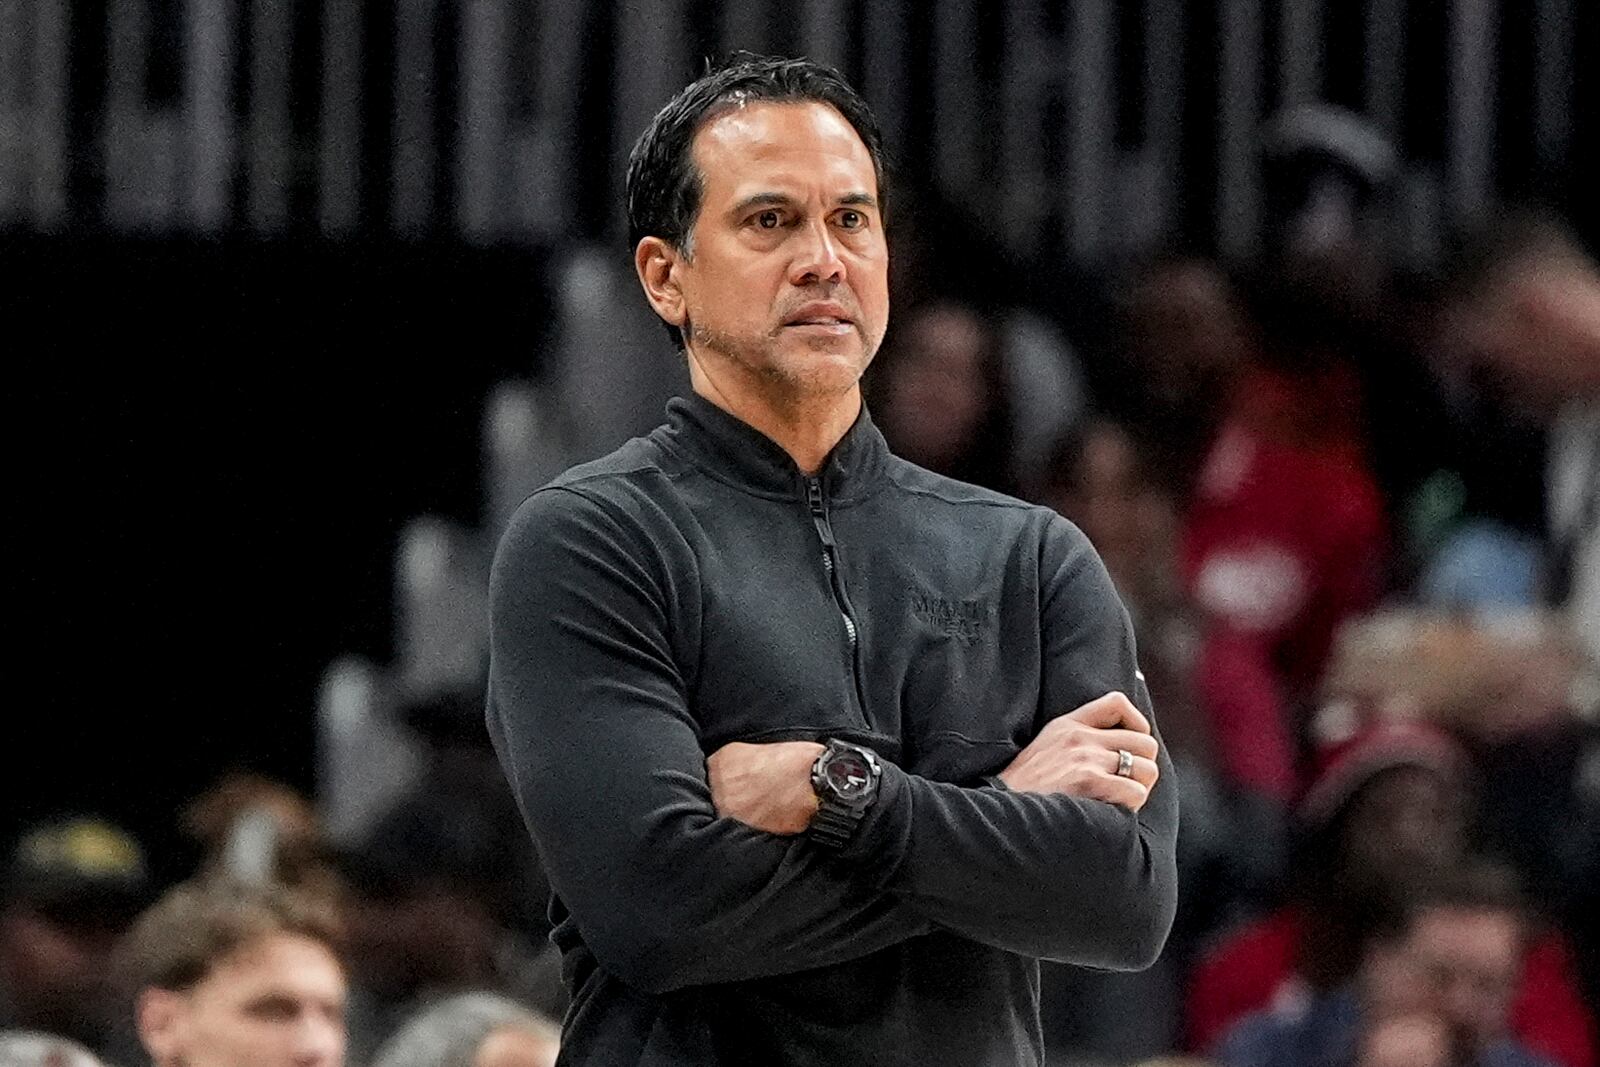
(1476,884)
(664,187)
(196,925)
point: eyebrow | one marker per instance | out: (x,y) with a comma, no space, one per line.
(768,199)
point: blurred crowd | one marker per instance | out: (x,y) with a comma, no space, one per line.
(1354,513)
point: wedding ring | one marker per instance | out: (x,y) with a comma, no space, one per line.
(1124,763)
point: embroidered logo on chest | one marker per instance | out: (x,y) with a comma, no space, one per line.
(961,619)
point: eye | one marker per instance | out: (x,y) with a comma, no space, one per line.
(273,1008)
(852,220)
(769,220)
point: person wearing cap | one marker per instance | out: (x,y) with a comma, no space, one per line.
(70,890)
(1387,807)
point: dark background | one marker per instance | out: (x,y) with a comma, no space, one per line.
(218,444)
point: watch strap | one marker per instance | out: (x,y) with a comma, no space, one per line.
(834,825)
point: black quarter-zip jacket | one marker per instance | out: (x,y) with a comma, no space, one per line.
(694,588)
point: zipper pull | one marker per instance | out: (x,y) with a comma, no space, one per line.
(819,513)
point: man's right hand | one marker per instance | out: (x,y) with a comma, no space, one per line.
(1076,754)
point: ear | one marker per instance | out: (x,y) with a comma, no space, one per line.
(657,264)
(161,1015)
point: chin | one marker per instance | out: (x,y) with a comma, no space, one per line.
(823,372)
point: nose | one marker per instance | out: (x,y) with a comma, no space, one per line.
(816,256)
(320,1043)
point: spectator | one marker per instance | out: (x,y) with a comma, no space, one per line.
(1389,807)
(19,1048)
(1187,340)
(939,395)
(225,975)
(1284,539)
(473,1030)
(252,828)
(1527,310)
(70,891)
(1434,989)
(1101,480)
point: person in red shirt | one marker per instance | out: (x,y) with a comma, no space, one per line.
(1284,539)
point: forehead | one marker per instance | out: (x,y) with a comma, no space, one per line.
(1468,932)
(783,147)
(287,963)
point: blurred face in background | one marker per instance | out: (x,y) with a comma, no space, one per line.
(277,1001)
(1189,336)
(1129,521)
(1470,960)
(784,287)
(1458,966)
(1535,328)
(1405,820)
(938,387)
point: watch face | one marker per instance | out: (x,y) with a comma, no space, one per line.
(848,775)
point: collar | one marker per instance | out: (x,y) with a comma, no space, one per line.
(733,451)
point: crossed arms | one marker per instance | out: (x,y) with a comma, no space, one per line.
(589,715)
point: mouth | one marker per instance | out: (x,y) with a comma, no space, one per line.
(821,331)
(824,319)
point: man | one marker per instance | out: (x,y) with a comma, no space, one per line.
(67,895)
(230,976)
(1434,989)
(821,751)
(1527,310)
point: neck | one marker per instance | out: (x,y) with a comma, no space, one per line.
(806,427)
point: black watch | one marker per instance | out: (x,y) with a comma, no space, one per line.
(845,778)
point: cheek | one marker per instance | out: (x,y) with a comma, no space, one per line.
(732,302)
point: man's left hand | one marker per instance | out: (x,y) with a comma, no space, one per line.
(765,786)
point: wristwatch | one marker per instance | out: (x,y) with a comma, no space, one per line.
(845,778)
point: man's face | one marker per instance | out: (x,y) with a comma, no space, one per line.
(787,280)
(276,1002)
(1470,959)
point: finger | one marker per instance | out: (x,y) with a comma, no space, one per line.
(1140,769)
(1137,743)
(1112,710)
(1124,792)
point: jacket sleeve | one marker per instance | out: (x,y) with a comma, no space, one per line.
(1057,877)
(590,718)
